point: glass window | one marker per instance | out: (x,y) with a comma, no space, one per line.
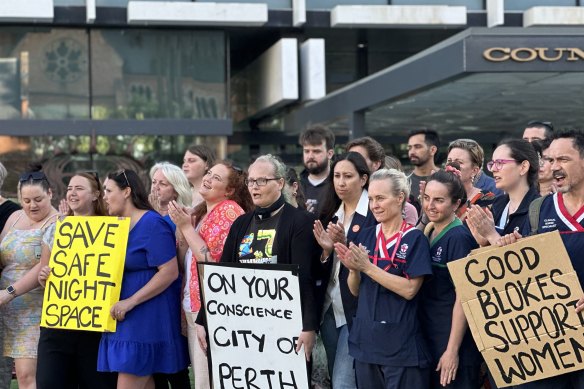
(44,73)
(272,4)
(522,5)
(118,3)
(69,3)
(135,74)
(139,74)
(329,4)
(470,4)
(62,156)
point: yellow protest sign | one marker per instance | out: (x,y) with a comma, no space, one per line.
(519,302)
(87,263)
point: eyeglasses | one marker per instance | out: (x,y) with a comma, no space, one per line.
(498,163)
(34,176)
(123,171)
(262,181)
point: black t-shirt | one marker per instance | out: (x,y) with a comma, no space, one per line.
(259,243)
(314,194)
(7,208)
(415,184)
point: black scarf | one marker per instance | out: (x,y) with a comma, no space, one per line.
(264,213)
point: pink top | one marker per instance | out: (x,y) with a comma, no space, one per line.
(213,229)
(410,214)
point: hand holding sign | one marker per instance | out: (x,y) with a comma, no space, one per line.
(44,275)
(509,239)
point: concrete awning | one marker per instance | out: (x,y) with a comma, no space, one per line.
(481,80)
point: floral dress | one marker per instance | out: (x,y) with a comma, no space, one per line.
(20,251)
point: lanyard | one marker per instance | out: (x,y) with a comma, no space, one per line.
(381,238)
(504,217)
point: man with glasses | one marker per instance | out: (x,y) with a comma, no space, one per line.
(538,130)
(318,144)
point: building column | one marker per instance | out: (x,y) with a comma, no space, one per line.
(356,125)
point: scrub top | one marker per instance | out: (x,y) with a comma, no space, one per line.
(553,215)
(437,296)
(386,329)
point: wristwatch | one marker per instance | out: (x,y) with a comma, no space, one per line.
(10,289)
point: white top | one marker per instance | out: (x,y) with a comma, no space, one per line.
(333,290)
(186,300)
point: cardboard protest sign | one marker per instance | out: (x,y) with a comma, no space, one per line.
(253,322)
(519,301)
(87,263)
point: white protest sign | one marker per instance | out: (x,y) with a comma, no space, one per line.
(254,319)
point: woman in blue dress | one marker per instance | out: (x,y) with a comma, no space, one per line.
(148,338)
(387,264)
(455,358)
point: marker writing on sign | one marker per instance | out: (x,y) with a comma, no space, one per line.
(236,377)
(85,234)
(273,288)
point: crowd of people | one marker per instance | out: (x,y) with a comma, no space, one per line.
(370,241)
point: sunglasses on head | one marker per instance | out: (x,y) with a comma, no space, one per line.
(34,176)
(123,171)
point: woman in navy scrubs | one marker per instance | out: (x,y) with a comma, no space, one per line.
(387,264)
(455,358)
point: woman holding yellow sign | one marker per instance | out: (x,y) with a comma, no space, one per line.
(24,237)
(68,358)
(147,339)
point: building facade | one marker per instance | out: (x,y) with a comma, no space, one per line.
(96,84)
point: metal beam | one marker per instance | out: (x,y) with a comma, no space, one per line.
(437,64)
(117,127)
(357,125)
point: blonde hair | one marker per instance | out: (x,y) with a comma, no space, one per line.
(475,151)
(176,177)
(399,182)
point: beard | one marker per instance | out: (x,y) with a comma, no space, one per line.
(418,161)
(317,168)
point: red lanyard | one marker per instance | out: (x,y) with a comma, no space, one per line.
(381,238)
